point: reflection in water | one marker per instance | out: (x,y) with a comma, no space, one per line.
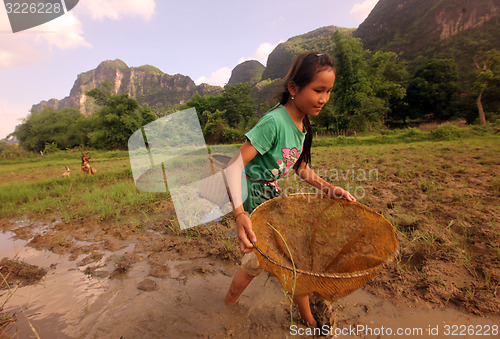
(59,299)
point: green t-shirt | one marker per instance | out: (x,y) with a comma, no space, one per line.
(279,143)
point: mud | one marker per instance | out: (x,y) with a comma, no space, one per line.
(140,276)
(445,206)
(15,273)
(158,282)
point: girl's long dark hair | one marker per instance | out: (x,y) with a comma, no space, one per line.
(304,68)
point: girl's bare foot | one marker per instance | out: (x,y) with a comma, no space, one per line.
(305,310)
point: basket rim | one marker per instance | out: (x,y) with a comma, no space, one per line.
(354,274)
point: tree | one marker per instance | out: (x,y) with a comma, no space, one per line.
(240,107)
(433,89)
(389,79)
(350,79)
(203,103)
(101,94)
(119,117)
(51,127)
(217,131)
(368,86)
(235,101)
(487,72)
(147,115)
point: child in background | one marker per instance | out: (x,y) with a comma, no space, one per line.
(281,140)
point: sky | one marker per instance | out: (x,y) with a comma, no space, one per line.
(202,39)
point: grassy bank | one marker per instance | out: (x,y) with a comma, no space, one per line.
(444,132)
(35,187)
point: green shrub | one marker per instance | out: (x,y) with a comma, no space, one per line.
(232,135)
(413,134)
(51,148)
(388,132)
(446,132)
(341,140)
(480,130)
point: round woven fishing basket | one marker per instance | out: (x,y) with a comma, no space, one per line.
(315,244)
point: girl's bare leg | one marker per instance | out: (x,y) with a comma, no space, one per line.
(240,281)
(305,310)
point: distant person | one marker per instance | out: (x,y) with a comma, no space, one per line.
(280,141)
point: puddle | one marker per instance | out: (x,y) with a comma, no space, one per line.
(85,243)
(189,303)
(186,308)
(58,298)
(10,246)
(378,318)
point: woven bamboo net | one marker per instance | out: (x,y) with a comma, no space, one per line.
(315,244)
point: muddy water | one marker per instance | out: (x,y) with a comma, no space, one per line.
(50,304)
(363,315)
(189,304)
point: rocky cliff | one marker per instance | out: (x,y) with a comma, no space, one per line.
(248,71)
(147,84)
(408,27)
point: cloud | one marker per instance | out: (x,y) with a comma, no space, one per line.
(17,54)
(29,47)
(261,53)
(117,9)
(361,10)
(14,52)
(221,76)
(218,78)
(65,32)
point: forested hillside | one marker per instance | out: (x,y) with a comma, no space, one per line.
(433,28)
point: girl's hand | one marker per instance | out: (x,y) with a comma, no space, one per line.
(348,196)
(245,233)
(337,192)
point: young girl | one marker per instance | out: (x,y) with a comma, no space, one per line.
(281,140)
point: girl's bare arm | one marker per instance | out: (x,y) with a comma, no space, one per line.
(233,174)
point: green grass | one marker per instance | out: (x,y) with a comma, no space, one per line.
(111,193)
(444,132)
